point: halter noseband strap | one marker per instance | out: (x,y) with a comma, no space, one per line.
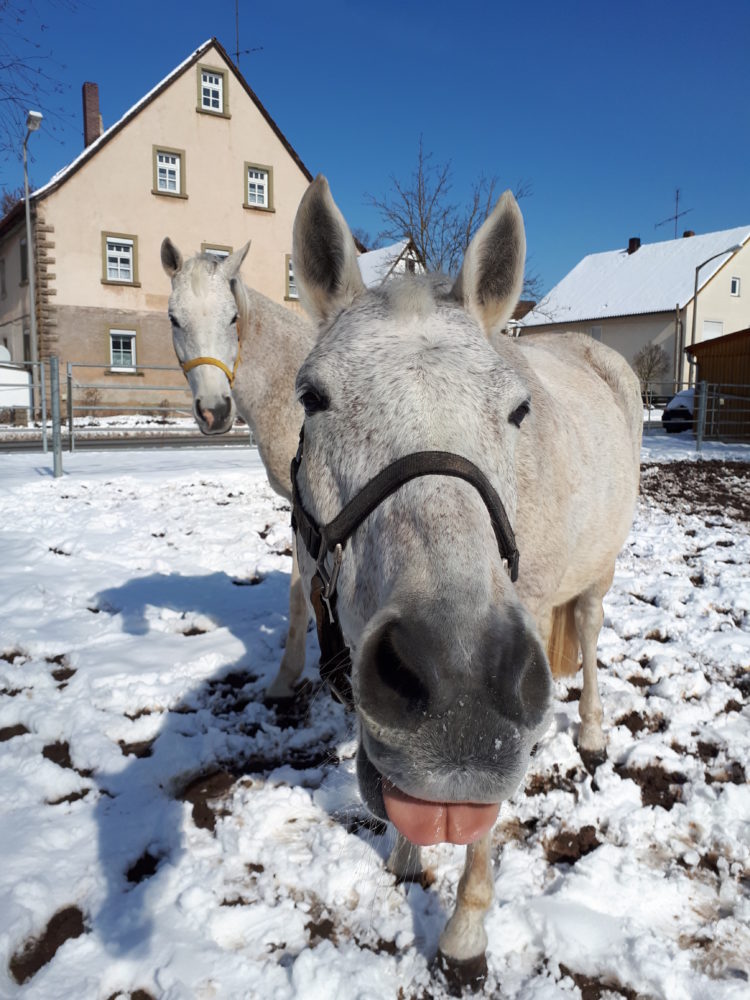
(335,662)
(188,366)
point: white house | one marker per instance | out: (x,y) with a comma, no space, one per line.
(647,294)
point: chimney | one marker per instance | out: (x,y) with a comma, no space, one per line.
(633,244)
(688,233)
(92,120)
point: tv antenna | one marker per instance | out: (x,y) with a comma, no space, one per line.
(240,52)
(677,213)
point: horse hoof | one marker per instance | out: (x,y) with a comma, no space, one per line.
(461,974)
(592,758)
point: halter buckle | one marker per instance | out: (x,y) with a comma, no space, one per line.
(330,581)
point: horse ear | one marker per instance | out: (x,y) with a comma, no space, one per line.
(491,277)
(324,255)
(171,258)
(231,265)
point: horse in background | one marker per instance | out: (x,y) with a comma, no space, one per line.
(240,353)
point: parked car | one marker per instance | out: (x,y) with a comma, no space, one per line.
(678,413)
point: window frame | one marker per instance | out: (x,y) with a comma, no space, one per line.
(268,170)
(219,250)
(224,76)
(115,331)
(181,191)
(596,333)
(735,282)
(290,280)
(107,235)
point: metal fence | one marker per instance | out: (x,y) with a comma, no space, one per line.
(86,396)
(709,411)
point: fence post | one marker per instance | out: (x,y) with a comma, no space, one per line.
(71,443)
(43,394)
(701,393)
(54,390)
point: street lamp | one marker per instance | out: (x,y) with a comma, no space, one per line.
(721,253)
(33,121)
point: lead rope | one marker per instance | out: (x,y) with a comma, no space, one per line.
(187,366)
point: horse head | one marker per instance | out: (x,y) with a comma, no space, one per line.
(205,308)
(450,681)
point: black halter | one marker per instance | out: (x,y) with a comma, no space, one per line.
(335,659)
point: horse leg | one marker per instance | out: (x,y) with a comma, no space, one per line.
(405,860)
(589,617)
(461,954)
(293,660)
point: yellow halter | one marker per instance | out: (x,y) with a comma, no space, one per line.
(189,365)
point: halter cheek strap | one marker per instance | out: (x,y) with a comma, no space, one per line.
(322,540)
(187,366)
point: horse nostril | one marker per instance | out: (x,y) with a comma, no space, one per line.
(393,673)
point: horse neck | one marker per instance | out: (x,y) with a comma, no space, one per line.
(274,342)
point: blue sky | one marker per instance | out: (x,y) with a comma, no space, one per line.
(603,108)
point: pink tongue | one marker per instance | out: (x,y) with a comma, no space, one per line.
(426,823)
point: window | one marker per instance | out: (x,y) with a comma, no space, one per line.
(216,250)
(120,259)
(596,333)
(122,350)
(291,284)
(734,287)
(712,328)
(26,344)
(212,91)
(258,186)
(24,261)
(169,171)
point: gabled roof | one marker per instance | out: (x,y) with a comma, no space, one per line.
(61,176)
(376,265)
(653,279)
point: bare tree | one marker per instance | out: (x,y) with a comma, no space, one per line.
(650,364)
(421,209)
(29,75)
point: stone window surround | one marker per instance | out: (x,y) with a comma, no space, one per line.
(269,186)
(108,235)
(155,150)
(224,113)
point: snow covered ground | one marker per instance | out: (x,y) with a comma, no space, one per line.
(166,835)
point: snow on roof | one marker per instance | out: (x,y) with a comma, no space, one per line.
(85,153)
(375,265)
(655,278)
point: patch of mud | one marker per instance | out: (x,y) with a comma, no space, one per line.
(716,488)
(202,791)
(597,989)
(37,952)
(143,868)
(658,786)
(11,655)
(135,995)
(541,784)
(141,749)
(570,845)
(638,723)
(10,732)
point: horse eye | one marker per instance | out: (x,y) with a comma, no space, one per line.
(313,402)
(519,413)
(234,319)
(173,320)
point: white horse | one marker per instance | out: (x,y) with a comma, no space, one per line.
(450,657)
(241,350)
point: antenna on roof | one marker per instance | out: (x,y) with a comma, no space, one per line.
(240,52)
(677,213)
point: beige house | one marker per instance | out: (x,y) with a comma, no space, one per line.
(646,294)
(198,159)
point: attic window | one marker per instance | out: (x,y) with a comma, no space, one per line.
(258,186)
(169,171)
(734,287)
(212,91)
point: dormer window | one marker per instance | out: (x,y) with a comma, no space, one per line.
(212,91)
(734,287)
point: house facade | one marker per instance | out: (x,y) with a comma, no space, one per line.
(646,294)
(198,159)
